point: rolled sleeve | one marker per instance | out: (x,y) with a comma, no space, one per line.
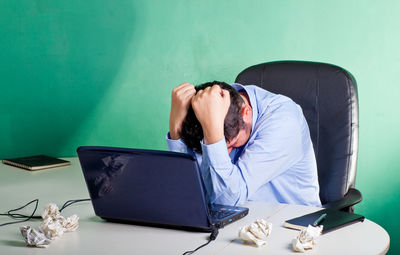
(216,154)
(176,145)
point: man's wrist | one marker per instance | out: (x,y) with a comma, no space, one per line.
(174,135)
(174,131)
(213,136)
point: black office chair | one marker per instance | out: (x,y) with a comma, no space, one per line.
(328,96)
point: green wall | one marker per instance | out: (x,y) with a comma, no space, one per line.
(100,72)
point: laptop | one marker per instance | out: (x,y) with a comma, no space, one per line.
(150,187)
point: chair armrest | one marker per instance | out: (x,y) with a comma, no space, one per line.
(352,197)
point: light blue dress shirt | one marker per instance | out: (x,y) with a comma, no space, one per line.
(276,165)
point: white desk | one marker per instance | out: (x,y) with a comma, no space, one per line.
(95,236)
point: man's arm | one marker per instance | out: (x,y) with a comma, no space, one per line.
(276,148)
(180,101)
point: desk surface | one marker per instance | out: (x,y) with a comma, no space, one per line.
(95,236)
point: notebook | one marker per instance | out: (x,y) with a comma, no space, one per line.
(36,162)
(149,187)
(334,219)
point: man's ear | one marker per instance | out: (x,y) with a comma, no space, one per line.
(246,113)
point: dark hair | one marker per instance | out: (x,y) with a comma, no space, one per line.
(192,132)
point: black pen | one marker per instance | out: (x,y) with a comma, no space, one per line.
(319,220)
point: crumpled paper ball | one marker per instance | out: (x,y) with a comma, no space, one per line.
(54,224)
(52,227)
(34,238)
(71,223)
(51,211)
(256,232)
(307,238)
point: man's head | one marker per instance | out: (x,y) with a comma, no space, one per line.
(236,128)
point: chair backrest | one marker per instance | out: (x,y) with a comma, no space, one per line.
(328,96)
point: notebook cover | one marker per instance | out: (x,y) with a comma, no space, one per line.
(334,219)
(36,162)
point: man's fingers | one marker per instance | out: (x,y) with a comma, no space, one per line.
(213,91)
(216,87)
(186,84)
(200,93)
(183,91)
(183,87)
(209,91)
(225,93)
(187,91)
(226,97)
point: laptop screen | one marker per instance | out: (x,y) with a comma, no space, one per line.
(145,186)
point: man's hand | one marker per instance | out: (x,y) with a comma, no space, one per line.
(180,102)
(211,106)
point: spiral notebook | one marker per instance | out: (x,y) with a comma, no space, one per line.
(37,162)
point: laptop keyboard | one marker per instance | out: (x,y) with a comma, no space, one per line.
(220,214)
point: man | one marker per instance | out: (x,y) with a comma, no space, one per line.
(251,144)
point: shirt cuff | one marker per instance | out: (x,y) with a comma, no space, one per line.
(176,145)
(216,154)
